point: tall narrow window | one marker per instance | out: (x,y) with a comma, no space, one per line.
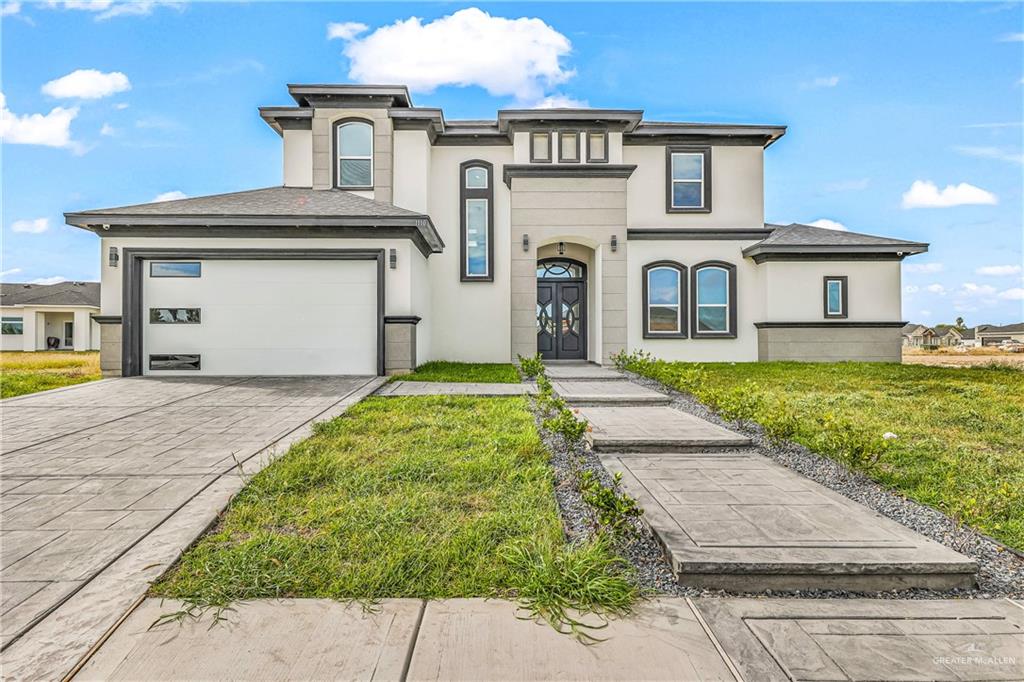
(688,172)
(353,145)
(713,303)
(540,147)
(476,195)
(569,147)
(835,296)
(597,147)
(664,306)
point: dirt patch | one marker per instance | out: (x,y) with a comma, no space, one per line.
(954,358)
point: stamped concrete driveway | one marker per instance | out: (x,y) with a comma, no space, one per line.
(103,484)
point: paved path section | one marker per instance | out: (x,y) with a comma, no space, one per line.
(98,503)
(607,393)
(774,639)
(740,521)
(582,371)
(407,388)
(644,428)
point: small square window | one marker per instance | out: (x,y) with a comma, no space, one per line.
(175,269)
(540,148)
(568,147)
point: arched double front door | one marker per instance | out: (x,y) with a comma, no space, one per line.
(561,309)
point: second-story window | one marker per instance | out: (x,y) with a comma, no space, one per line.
(540,147)
(476,224)
(688,175)
(597,147)
(354,147)
(569,147)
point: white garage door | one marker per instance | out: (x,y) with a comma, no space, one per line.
(259,317)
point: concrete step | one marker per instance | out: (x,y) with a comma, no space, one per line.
(608,393)
(581,372)
(655,428)
(743,522)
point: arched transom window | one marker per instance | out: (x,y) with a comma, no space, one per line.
(354,148)
(559,269)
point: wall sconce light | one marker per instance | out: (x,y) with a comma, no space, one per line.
(113,258)
(615,243)
(393,258)
(561,248)
(526,242)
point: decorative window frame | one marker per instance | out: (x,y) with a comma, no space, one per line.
(683,316)
(705,178)
(550,135)
(843,297)
(731,301)
(336,158)
(466,193)
(579,150)
(599,133)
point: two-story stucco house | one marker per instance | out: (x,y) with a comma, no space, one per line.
(398,236)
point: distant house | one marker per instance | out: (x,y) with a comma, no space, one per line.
(946,335)
(993,335)
(49,316)
(917,335)
(969,338)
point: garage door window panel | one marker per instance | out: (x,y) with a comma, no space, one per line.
(175,269)
(174,361)
(175,315)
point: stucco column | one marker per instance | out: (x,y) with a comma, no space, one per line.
(40,335)
(28,330)
(524,296)
(613,299)
(82,330)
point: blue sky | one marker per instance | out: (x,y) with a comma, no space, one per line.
(904,119)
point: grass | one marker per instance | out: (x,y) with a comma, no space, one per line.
(426,497)
(22,373)
(487,373)
(959,443)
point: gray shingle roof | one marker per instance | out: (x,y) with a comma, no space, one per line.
(276,201)
(797,238)
(1014,328)
(62,293)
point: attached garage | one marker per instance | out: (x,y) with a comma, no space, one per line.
(246,312)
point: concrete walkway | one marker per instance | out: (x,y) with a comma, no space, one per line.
(105,484)
(412,388)
(665,639)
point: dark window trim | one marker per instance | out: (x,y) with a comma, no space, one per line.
(199,316)
(476,193)
(198,362)
(13,320)
(681,269)
(590,157)
(687,149)
(335,160)
(579,151)
(563,259)
(152,274)
(843,300)
(133,260)
(730,269)
(534,159)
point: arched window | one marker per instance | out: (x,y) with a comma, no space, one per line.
(713,305)
(664,300)
(560,268)
(353,146)
(476,224)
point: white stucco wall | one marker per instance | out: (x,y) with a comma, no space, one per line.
(748,300)
(412,170)
(298,158)
(521,148)
(38,322)
(793,291)
(737,189)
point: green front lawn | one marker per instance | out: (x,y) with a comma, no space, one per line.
(22,373)
(475,372)
(959,442)
(427,497)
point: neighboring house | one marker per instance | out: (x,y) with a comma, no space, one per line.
(399,236)
(993,335)
(946,335)
(49,316)
(968,338)
(917,335)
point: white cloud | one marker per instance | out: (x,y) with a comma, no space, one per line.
(9,8)
(34,226)
(121,105)
(1015,294)
(998,270)
(108,130)
(936,289)
(911,289)
(1006,124)
(828,224)
(972,289)
(108,9)
(50,130)
(87,84)
(848,185)
(924,268)
(346,30)
(820,82)
(173,195)
(559,101)
(1012,38)
(925,313)
(997,153)
(517,57)
(56,279)
(925,194)
(12,271)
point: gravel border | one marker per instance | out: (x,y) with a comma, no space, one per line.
(1000,569)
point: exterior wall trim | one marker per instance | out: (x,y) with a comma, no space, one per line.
(587,135)
(684,314)
(823,324)
(733,303)
(133,267)
(821,256)
(574,171)
(106,319)
(402,319)
(695,234)
(551,135)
